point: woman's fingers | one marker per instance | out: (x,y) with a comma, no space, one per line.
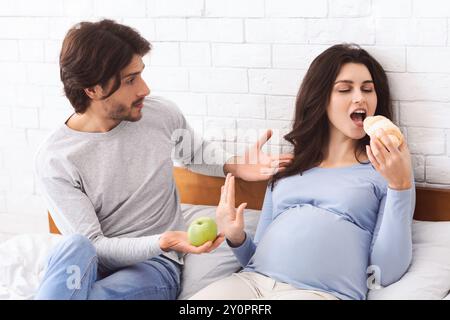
(372,158)
(225,187)
(240,214)
(403,148)
(222,195)
(387,142)
(378,150)
(230,192)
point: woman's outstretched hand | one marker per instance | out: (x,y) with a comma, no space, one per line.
(230,220)
(394,164)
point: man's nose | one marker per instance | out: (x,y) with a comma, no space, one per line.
(145,90)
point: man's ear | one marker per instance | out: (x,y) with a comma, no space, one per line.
(95,92)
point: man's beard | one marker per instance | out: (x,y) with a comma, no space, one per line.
(123,113)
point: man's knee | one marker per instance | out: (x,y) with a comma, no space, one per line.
(78,244)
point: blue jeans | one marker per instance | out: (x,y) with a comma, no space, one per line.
(72,273)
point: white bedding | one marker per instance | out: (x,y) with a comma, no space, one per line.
(428,276)
(22,261)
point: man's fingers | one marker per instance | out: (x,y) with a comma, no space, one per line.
(280,163)
(275,164)
(263,139)
(269,171)
(203,248)
(217,242)
(284,156)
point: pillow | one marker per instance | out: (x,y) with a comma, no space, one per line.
(428,276)
(201,270)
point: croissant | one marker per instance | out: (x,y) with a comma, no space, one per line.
(372,124)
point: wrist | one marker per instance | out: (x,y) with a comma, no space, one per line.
(400,186)
(163,242)
(237,241)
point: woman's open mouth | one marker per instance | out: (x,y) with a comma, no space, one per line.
(358,117)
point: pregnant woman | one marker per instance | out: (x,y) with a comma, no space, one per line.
(337,221)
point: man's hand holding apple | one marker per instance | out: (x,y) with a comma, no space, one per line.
(178,241)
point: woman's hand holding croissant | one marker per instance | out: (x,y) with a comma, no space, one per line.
(393,163)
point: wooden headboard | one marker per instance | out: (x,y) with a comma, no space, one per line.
(431,204)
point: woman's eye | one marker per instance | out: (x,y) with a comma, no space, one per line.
(367,89)
(344,90)
(130,81)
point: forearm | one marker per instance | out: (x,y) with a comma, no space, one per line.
(210,159)
(116,253)
(392,249)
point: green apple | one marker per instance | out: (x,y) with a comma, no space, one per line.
(201,230)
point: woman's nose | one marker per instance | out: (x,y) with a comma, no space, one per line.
(357,96)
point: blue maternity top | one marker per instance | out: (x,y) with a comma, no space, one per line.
(337,230)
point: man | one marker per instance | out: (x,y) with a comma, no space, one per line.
(106,174)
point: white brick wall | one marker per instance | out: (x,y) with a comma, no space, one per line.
(392,9)
(234,64)
(234,8)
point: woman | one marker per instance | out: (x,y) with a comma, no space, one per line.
(337,221)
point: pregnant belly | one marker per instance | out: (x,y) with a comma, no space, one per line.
(316,247)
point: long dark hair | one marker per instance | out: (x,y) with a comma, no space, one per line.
(92,54)
(310,131)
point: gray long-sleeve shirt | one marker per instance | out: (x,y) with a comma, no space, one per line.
(117,188)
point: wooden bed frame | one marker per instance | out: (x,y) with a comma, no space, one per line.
(432,204)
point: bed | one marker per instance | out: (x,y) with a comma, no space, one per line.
(427,278)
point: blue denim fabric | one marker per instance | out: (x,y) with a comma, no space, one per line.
(72,273)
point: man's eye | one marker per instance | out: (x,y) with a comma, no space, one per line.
(130,81)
